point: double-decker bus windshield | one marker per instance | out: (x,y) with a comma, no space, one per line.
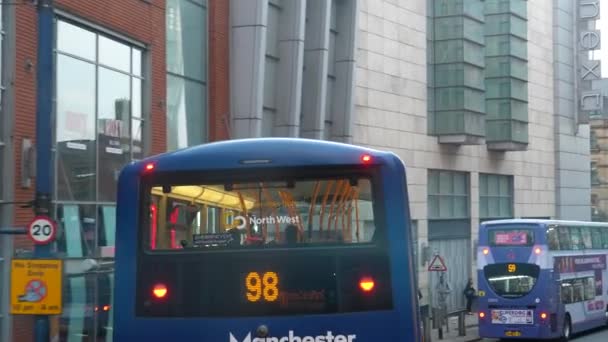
(290,213)
(511,280)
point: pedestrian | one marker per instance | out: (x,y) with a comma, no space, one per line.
(469,293)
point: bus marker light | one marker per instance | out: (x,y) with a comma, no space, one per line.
(106,307)
(537,250)
(482,314)
(543,315)
(366,158)
(367,284)
(149,166)
(159,291)
(486,251)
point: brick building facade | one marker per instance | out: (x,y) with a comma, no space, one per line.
(137,26)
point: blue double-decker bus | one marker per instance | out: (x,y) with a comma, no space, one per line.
(265,240)
(541,279)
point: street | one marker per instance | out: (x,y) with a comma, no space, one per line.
(596,335)
(593,336)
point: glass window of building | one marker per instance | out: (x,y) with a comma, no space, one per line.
(2,165)
(595,178)
(449,225)
(2,118)
(186,25)
(331,69)
(98,129)
(99,121)
(495,196)
(448,195)
(271,67)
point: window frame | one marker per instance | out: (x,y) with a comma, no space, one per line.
(3,116)
(135,49)
(562,232)
(586,237)
(204,82)
(486,197)
(597,234)
(594,173)
(585,285)
(452,196)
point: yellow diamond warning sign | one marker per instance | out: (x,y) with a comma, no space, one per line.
(36,286)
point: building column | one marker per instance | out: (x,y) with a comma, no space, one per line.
(247,56)
(474,210)
(291,56)
(344,90)
(571,134)
(316,51)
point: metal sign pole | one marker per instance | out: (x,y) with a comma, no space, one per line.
(44,166)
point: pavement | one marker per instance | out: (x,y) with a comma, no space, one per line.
(450,332)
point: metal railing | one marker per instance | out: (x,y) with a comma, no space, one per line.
(440,319)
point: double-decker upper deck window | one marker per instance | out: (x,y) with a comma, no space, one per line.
(261,214)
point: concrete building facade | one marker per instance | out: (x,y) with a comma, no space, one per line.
(482,137)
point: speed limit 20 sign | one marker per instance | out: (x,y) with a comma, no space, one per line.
(42,230)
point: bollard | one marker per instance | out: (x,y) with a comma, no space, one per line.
(462,331)
(427,328)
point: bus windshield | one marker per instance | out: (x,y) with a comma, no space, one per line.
(284,213)
(511,280)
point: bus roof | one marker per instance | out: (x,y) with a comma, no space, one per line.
(545,222)
(264,152)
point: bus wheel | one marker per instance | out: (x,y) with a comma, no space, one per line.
(566,329)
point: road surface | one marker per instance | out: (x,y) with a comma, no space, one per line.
(597,335)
